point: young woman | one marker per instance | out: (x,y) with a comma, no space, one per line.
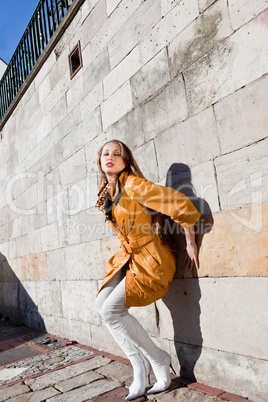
(141,271)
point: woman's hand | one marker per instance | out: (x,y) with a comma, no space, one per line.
(190,248)
(191,257)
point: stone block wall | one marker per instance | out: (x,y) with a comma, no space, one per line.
(184,84)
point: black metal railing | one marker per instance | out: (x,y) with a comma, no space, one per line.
(44,22)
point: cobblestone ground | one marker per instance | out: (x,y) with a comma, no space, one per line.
(44,368)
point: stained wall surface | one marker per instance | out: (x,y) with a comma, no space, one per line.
(184,84)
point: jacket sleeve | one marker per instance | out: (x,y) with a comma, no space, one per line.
(162,199)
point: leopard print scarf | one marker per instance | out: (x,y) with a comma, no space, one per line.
(108,195)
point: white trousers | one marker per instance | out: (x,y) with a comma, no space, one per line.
(126,330)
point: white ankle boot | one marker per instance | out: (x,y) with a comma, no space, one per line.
(162,374)
(141,372)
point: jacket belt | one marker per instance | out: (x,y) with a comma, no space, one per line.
(133,245)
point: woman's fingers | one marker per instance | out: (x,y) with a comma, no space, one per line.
(196,262)
(190,262)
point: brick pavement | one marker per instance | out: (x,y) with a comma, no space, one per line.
(40,367)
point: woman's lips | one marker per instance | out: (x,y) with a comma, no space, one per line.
(109,164)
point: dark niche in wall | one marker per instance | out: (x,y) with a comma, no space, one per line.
(75,60)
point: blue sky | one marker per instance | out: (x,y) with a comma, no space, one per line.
(14,18)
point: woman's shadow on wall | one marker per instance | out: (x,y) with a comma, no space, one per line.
(184,295)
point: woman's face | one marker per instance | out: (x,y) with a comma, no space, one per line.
(111,160)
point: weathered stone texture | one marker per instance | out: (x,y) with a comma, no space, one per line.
(69,122)
(78,381)
(242,248)
(116,106)
(73,169)
(242,176)
(57,207)
(56,258)
(96,70)
(140,22)
(148,318)
(80,135)
(49,237)
(150,78)
(122,72)
(87,7)
(101,339)
(94,22)
(68,372)
(117,371)
(235,293)
(167,5)
(44,128)
(78,300)
(205,187)
(22,246)
(130,128)
(199,38)
(167,29)
(231,371)
(146,159)
(111,5)
(242,117)
(91,101)
(49,297)
(82,195)
(68,235)
(92,226)
(186,394)
(88,391)
(54,321)
(204,4)
(216,298)
(44,89)
(242,11)
(192,142)
(121,14)
(34,267)
(229,66)
(10,392)
(79,331)
(35,241)
(83,261)
(75,93)
(165,110)
(37,396)
(58,70)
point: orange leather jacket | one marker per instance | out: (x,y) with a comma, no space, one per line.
(151,264)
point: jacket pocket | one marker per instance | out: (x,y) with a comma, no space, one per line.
(151,255)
